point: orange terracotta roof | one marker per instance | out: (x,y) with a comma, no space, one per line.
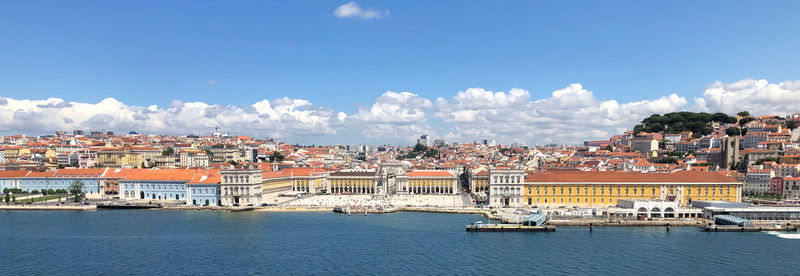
(89,172)
(8,174)
(206,177)
(40,174)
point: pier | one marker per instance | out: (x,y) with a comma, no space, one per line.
(734,228)
(479,227)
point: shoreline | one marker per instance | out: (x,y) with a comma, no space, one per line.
(48,207)
(483,212)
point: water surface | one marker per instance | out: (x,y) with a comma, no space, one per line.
(212,242)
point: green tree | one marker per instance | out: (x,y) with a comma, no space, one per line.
(168,152)
(762,160)
(76,190)
(791,124)
(8,198)
(432,153)
(655,127)
(746,120)
(722,118)
(733,131)
(668,160)
(420,148)
(743,113)
(609,148)
(277,156)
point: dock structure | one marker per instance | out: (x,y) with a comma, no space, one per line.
(732,220)
(733,228)
(479,227)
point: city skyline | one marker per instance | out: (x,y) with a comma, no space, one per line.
(360,72)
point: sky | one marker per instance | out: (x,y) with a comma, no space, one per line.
(385,72)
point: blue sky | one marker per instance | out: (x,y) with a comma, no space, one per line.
(144,53)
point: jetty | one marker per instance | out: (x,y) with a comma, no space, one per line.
(734,228)
(507,227)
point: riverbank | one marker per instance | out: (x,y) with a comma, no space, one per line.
(48,207)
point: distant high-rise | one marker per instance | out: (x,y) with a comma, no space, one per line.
(423,140)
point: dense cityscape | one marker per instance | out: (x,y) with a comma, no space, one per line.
(399,137)
(677,165)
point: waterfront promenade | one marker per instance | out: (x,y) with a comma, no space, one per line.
(371,204)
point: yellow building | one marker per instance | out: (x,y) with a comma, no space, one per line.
(606,188)
(118,158)
(479,183)
(275,182)
(12,153)
(432,182)
(353,182)
(305,180)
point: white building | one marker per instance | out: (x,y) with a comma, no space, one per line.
(241,187)
(631,208)
(423,140)
(506,190)
(752,139)
(757,180)
(193,158)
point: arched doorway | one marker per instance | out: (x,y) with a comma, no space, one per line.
(669,212)
(655,212)
(641,213)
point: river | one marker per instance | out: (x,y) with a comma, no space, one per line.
(144,242)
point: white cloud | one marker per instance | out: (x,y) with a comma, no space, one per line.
(756,96)
(281,118)
(352,10)
(569,115)
(395,115)
(212,82)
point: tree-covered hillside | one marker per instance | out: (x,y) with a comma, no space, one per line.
(675,122)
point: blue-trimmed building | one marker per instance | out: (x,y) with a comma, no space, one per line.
(28,181)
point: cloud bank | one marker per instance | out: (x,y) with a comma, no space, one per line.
(569,115)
